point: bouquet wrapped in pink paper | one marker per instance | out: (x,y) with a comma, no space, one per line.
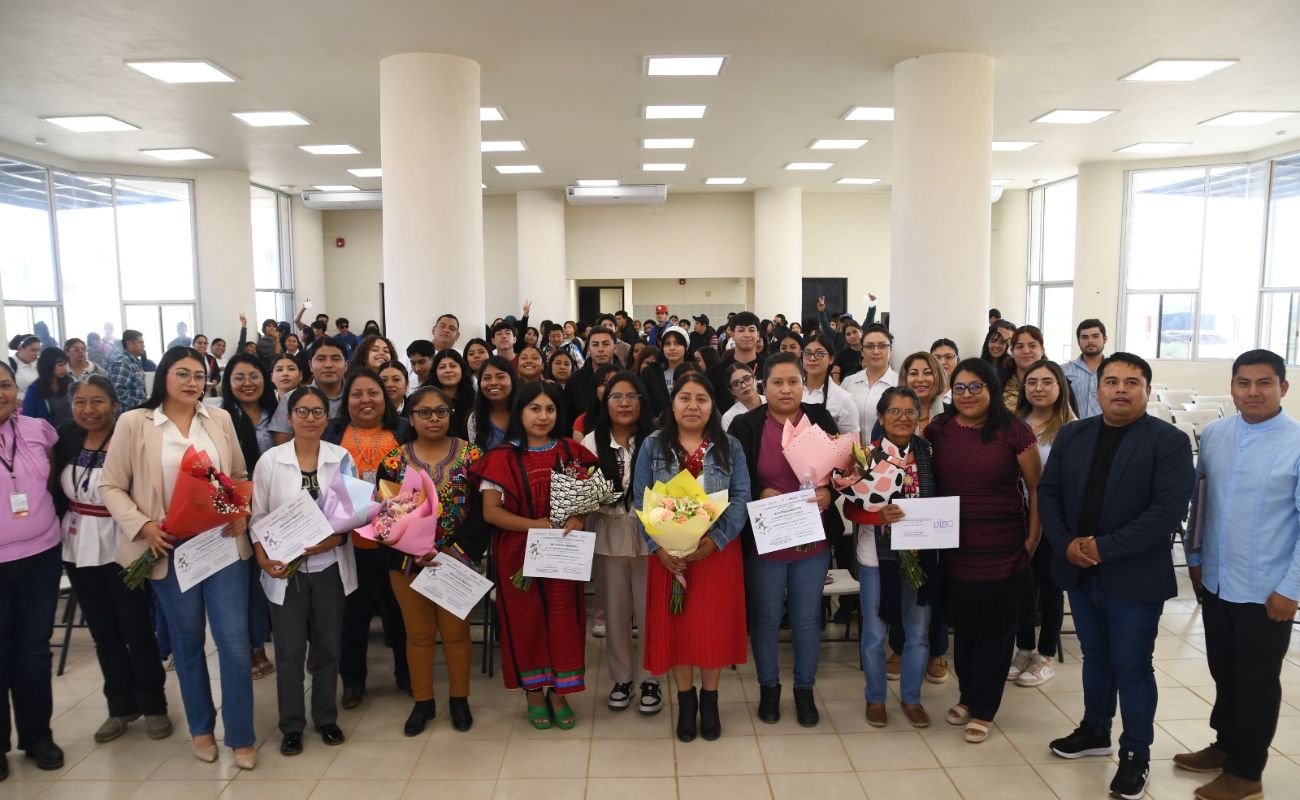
(814,453)
(407,519)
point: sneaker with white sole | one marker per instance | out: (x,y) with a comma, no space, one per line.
(598,631)
(1038,672)
(620,696)
(1082,742)
(1131,777)
(651,699)
(1019,663)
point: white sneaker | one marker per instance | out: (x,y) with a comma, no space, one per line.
(598,630)
(1019,664)
(1038,672)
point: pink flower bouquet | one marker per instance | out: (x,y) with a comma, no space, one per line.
(407,518)
(813,453)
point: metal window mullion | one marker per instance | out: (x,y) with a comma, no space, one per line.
(1200,270)
(117,257)
(56,254)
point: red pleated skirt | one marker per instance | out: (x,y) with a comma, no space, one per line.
(710,632)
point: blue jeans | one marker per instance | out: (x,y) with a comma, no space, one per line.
(259,611)
(160,628)
(224,598)
(916,645)
(768,584)
(1118,638)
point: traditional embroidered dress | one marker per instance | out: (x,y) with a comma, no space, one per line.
(451,478)
(543,628)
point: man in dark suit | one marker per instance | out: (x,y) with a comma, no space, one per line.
(1115,488)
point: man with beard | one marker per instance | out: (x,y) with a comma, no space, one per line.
(1082,372)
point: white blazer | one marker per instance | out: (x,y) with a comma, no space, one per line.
(277,480)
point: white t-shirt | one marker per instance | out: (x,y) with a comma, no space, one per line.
(839,404)
(867,395)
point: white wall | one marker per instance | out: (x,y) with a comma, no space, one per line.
(847,235)
(500,254)
(711,296)
(1009,264)
(353,272)
(308,257)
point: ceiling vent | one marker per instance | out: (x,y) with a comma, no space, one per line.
(334,201)
(644,194)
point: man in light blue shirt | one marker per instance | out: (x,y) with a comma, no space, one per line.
(1247,571)
(1082,372)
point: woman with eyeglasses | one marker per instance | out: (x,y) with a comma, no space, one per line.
(80,367)
(394,376)
(819,389)
(745,387)
(306,606)
(1044,404)
(286,375)
(997,346)
(946,353)
(984,455)
(497,386)
(447,460)
(47,397)
(149,444)
(449,372)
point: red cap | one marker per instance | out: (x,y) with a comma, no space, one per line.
(661,309)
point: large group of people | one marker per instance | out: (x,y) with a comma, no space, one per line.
(1066,485)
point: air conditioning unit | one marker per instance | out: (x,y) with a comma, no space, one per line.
(643,194)
(334,201)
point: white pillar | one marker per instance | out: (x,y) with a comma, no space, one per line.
(571,310)
(778,252)
(939,262)
(539,217)
(223,213)
(627,298)
(433,204)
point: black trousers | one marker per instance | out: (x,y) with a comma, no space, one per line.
(372,585)
(312,612)
(984,615)
(29,593)
(1245,650)
(1045,602)
(121,624)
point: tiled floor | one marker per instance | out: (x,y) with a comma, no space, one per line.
(627,756)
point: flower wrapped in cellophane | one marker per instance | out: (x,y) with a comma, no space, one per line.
(676,514)
(407,518)
(813,453)
(576,491)
(875,478)
(203,498)
(347,503)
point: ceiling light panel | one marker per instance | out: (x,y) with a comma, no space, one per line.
(667,144)
(1153,148)
(1012,147)
(186,71)
(663,167)
(92,123)
(518,169)
(837,144)
(336,187)
(702,66)
(675,112)
(1241,119)
(329,149)
(502,146)
(809,165)
(490,114)
(367,172)
(597,182)
(725,181)
(1179,69)
(857,181)
(270,119)
(177,154)
(870,114)
(1073,116)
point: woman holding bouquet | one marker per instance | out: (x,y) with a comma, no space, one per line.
(793,577)
(709,632)
(140,474)
(543,621)
(447,459)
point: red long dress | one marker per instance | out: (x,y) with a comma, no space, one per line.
(543,629)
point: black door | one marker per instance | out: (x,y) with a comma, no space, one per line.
(836,292)
(588,303)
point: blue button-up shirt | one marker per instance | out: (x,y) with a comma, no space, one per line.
(1251,544)
(1083,385)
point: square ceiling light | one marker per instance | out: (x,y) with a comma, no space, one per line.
(675,112)
(367,172)
(1241,119)
(329,149)
(837,144)
(661,167)
(667,144)
(724,181)
(490,114)
(92,123)
(518,169)
(869,114)
(270,119)
(1073,116)
(183,71)
(809,165)
(702,66)
(336,187)
(177,154)
(1153,148)
(502,146)
(1179,69)
(1012,147)
(857,181)
(594,183)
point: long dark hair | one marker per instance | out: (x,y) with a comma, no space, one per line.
(999,417)
(165,364)
(47,385)
(564,352)
(245,432)
(390,420)
(603,431)
(669,434)
(483,406)
(99,382)
(520,400)
(463,401)
(362,354)
(986,356)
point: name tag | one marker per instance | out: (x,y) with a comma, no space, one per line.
(18,504)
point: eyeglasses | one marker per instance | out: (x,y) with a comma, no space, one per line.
(741,383)
(303,413)
(947,357)
(962,388)
(620,397)
(1040,383)
(441,412)
(245,377)
(910,413)
(185,376)
(815,355)
(876,346)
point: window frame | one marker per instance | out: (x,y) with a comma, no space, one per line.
(1035,302)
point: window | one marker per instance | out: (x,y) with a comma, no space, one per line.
(1280,299)
(1050,304)
(27,271)
(272,259)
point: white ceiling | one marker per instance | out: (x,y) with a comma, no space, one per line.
(569,76)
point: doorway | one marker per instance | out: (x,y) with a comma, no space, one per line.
(836,292)
(592,300)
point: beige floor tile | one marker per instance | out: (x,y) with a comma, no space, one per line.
(159,789)
(998,782)
(1026,706)
(732,787)
(542,759)
(268,790)
(631,758)
(818,753)
(905,750)
(1084,779)
(123,760)
(24,790)
(375,760)
(22,769)
(385,723)
(1170,783)
(632,724)
(1070,704)
(491,721)
(1287,738)
(534,788)
(916,784)
(1032,741)
(310,765)
(181,765)
(823,786)
(1191,734)
(351,789)
(730,755)
(657,788)
(953,750)
(459,759)
(460,790)
(1187,671)
(90,790)
(1180,703)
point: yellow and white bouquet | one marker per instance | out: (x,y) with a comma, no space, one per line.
(676,515)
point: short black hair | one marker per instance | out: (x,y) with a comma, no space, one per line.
(995,314)
(420,347)
(451,317)
(130,335)
(322,317)
(1089,323)
(218,339)
(876,327)
(898,391)
(320,325)
(341,321)
(321,344)
(777,359)
(1126,358)
(600,331)
(1266,357)
(943,343)
(744,318)
(502,326)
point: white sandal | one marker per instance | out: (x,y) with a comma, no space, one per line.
(958,715)
(976,732)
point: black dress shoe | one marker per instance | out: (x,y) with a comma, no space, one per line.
(461,719)
(331,734)
(46,754)
(352,696)
(710,722)
(769,703)
(688,705)
(805,708)
(424,711)
(291,744)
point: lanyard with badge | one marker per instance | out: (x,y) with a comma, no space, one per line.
(17,500)
(81,483)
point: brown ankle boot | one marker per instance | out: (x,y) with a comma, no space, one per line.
(1230,787)
(1209,759)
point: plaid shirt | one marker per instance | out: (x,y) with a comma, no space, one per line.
(128,380)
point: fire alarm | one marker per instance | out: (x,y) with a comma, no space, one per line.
(339,242)
(681,281)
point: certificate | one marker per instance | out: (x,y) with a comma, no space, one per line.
(931,523)
(551,554)
(452,585)
(785,521)
(203,556)
(291,528)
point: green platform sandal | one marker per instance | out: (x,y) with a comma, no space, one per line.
(540,716)
(564,717)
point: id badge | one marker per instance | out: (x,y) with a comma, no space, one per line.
(18,504)
(368,476)
(73,519)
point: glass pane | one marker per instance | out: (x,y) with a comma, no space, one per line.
(1059,218)
(88,256)
(1141,324)
(1166,212)
(1283,268)
(156,240)
(266,239)
(1035,234)
(1234,221)
(42,321)
(145,319)
(1281,320)
(27,269)
(1058,328)
(267,308)
(1032,306)
(1176,313)
(177,325)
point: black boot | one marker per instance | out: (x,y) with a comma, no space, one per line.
(805,709)
(710,723)
(687,706)
(424,711)
(461,719)
(769,703)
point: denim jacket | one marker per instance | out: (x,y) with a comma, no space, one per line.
(651,466)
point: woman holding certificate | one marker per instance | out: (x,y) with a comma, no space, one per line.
(447,460)
(988,458)
(795,575)
(140,475)
(312,599)
(543,620)
(708,631)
